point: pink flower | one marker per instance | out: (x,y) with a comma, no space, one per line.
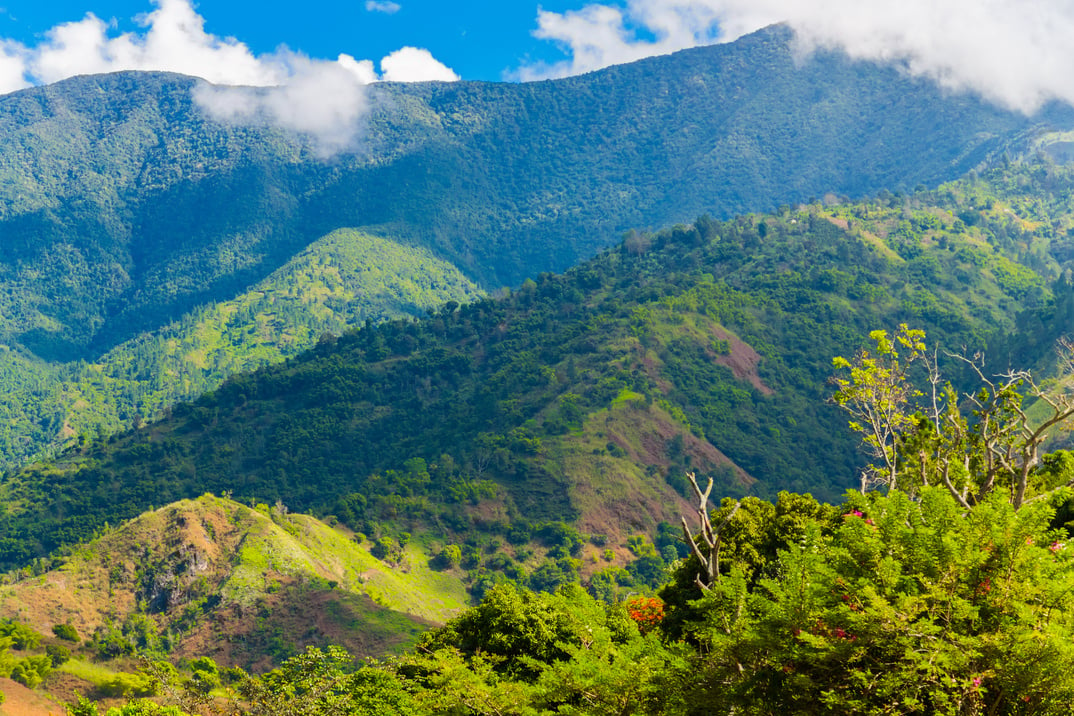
(1056,546)
(976,681)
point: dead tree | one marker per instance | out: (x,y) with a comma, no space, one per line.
(707,553)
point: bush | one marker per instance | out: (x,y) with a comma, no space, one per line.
(22,637)
(31,671)
(67,632)
(58,654)
(127,685)
(447,558)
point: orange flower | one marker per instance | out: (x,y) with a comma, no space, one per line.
(647,612)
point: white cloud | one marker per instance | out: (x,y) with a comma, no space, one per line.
(174,40)
(411,64)
(324,100)
(321,98)
(1015,52)
(12,67)
(386,7)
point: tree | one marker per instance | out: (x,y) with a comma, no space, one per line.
(972,444)
(911,606)
(877,395)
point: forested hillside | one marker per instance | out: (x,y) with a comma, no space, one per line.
(125,210)
(341,281)
(584,397)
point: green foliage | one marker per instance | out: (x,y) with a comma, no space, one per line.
(143,707)
(449,557)
(324,683)
(58,654)
(22,637)
(920,440)
(128,685)
(32,670)
(907,602)
(67,632)
(169,212)
(139,633)
(512,626)
(394,426)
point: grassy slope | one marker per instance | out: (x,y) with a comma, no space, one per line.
(169,563)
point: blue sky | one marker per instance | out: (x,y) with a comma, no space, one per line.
(478,40)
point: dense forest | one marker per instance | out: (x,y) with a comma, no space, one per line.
(340,282)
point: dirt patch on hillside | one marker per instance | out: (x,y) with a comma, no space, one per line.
(704,455)
(742,359)
(629,494)
(21,701)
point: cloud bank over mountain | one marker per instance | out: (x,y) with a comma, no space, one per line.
(321,98)
(1017,53)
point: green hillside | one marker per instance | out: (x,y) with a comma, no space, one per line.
(341,281)
(125,209)
(584,397)
(174,579)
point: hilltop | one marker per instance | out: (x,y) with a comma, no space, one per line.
(247,586)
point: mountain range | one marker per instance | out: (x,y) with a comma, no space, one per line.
(125,208)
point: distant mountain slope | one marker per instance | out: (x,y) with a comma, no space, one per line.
(123,208)
(585,397)
(340,281)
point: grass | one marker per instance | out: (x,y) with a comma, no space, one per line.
(298,544)
(91,671)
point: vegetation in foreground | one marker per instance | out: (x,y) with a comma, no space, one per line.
(885,605)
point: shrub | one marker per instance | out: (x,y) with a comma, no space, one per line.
(58,654)
(67,632)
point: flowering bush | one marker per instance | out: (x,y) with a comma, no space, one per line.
(647,612)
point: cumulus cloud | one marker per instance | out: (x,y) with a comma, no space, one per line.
(320,98)
(323,100)
(174,40)
(1017,53)
(12,67)
(411,64)
(388,7)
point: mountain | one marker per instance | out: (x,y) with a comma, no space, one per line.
(575,405)
(125,209)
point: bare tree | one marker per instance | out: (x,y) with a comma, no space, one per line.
(708,552)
